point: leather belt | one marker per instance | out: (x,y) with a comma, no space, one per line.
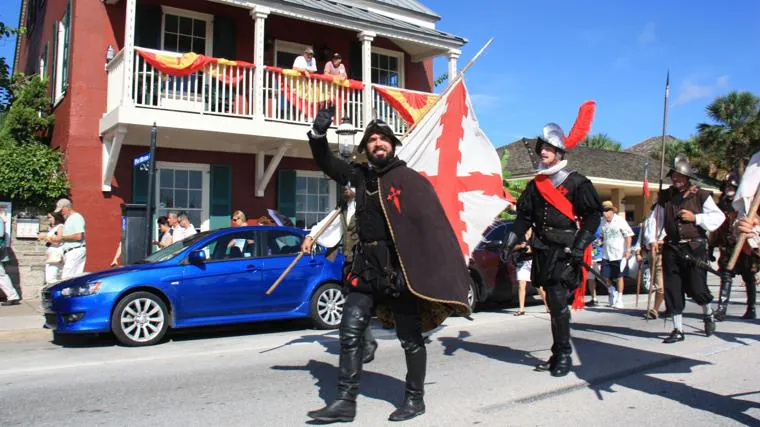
(67,250)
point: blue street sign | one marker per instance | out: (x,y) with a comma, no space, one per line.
(141,159)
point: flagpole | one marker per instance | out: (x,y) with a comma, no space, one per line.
(452,82)
(664,129)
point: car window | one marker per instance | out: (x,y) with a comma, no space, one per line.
(174,249)
(231,246)
(282,242)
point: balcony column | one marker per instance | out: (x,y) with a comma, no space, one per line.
(366,38)
(259,14)
(129,52)
(453,55)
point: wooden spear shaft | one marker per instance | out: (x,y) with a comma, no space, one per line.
(330,219)
(752,213)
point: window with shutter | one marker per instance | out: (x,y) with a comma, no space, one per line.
(221,196)
(186,31)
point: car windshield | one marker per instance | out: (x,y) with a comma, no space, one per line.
(174,249)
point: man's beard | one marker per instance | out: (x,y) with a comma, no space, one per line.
(380,163)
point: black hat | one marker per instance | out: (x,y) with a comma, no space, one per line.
(336,55)
(377,126)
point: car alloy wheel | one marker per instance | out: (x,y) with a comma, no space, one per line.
(327,306)
(471,296)
(142,320)
(139,319)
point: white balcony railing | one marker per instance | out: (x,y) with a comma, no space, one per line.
(296,99)
(115,70)
(217,89)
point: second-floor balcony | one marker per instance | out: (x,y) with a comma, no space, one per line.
(155,78)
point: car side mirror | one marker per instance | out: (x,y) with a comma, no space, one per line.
(197,257)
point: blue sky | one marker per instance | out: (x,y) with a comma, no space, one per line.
(550,56)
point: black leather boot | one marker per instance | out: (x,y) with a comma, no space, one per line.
(549,364)
(416,363)
(709,326)
(726,278)
(564,350)
(675,336)
(751,300)
(370,345)
(343,409)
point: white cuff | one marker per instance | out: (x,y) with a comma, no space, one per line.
(313,134)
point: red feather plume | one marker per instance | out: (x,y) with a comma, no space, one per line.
(582,125)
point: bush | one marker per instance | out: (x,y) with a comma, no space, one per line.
(31,174)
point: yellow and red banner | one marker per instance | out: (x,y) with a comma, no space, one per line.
(185,64)
(410,105)
(307,94)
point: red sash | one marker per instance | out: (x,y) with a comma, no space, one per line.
(555,198)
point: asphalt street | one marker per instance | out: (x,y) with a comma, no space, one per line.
(479,373)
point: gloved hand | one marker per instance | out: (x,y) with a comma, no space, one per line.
(508,246)
(582,240)
(321,123)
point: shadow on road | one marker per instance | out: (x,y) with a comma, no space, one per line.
(492,351)
(596,355)
(373,385)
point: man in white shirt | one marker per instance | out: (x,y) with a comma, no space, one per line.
(683,216)
(73,238)
(616,249)
(186,229)
(174,228)
(306,62)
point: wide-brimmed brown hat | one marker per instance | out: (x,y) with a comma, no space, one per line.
(608,206)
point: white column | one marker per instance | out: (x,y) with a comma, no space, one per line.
(366,38)
(259,14)
(129,52)
(453,56)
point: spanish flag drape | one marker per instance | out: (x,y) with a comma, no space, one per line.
(190,63)
(311,96)
(410,105)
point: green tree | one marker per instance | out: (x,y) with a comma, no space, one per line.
(703,161)
(602,142)
(5,70)
(735,133)
(29,117)
(515,188)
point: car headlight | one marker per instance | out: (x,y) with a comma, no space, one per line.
(81,290)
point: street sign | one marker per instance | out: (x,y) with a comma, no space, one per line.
(142,160)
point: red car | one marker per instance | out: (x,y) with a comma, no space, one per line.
(492,279)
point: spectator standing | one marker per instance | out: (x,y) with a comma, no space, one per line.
(186,227)
(54,251)
(239,219)
(73,239)
(11,296)
(164,233)
(596,258)
(174,229)
(644,258)
(335,67)
(616,249)
(524,263)
(306,62)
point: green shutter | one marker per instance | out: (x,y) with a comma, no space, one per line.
(224,38)
(54,64)
(139,185)
(66,48)
(221,196)
(286,193)
(148,26)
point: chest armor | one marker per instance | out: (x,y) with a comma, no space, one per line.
(548,219)
(674,201)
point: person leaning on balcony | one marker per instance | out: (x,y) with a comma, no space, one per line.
(335,67)
(306,62)
(73,238)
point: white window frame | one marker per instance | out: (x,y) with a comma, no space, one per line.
(59,93)
(399,56)
(288,47)
(205,190)
(333,197)
(194,15)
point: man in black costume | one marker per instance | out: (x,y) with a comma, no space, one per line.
(407,263)
(725,240)
(563,208)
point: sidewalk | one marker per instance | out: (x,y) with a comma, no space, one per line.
(27,315)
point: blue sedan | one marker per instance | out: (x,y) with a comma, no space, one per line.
(213,278)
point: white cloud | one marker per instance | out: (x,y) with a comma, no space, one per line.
(691,90)
(647,34)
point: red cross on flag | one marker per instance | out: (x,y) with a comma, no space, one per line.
(448,147)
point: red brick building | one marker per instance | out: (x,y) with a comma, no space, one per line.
(229,137)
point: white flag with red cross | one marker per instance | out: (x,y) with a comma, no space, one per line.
(448,147)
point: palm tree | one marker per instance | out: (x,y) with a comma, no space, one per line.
(703,161)
(601,141)
(736,132)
